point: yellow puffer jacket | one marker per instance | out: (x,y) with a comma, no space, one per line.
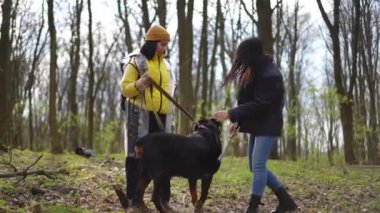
(154,100)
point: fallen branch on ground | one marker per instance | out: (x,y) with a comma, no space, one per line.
(25,173)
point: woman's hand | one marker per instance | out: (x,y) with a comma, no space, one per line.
(143,82)
(234,128)
(221,115)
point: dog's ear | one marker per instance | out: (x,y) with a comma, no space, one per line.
(196,126)
(217,123)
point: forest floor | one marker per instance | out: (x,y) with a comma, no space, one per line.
(86,185)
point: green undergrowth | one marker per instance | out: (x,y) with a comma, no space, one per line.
(85,185)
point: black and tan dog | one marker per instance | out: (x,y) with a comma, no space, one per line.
(165,155)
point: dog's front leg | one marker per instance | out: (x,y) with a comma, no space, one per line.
(156,195)
(165,193)
(193,190)
(158,189)
(206,182)
(141,187)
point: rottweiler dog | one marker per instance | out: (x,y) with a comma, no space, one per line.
(166,155)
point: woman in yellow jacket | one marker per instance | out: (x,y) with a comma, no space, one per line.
(147,110)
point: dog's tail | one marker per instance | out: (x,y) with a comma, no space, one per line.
(139,150)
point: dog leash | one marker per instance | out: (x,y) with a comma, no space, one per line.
(171,99)
(225,147)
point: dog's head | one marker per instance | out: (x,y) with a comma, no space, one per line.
(211,124)
(208,127)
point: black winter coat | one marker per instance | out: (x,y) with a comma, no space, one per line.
(260,103)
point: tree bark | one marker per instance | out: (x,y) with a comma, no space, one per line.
(293,95)
(31,76)
(74,62)
(145,14)
(91,80)
(204,56)
(123,15)
(345,98)
(185,40)
(5,49)
(56,146)
(161,10)
(369,55)
(264,24)
(222,52)
(213,67)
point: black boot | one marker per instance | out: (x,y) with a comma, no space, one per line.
(132,175)
(286,201)
(253,205)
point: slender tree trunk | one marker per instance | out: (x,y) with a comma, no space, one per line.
(204,56)
(292,95)
(369,55)
(213,67)
(31,76)
(345,105)
(145,14)
(5,49)
(264,24)
(222,52)
(91,80)
(185,38)
(123,15)
(72,92)
(162,12)
(361,113)
(56,146)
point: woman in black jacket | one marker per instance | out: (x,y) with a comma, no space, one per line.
(259,112)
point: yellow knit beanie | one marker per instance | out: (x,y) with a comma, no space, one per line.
(157,33)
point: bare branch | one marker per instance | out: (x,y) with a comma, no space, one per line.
(247,12)
(324,15)
(278,3)
(24,173)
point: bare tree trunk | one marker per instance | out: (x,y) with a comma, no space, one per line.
(213,67)
(369,53)
(56,146)
(5,47)
(162,12)
(361,109)
(145,11)
(293,95)
(91,81)
(185,40)
(280,44)
(74,62)
(123,15)
(222,52)
(264,24)
(204,56)
(346,97)
(31,76)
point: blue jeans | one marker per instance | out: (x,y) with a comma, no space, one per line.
(259,149)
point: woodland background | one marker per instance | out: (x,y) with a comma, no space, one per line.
(60,71)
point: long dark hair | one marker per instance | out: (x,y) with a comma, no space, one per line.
(148,49)
(249,61)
